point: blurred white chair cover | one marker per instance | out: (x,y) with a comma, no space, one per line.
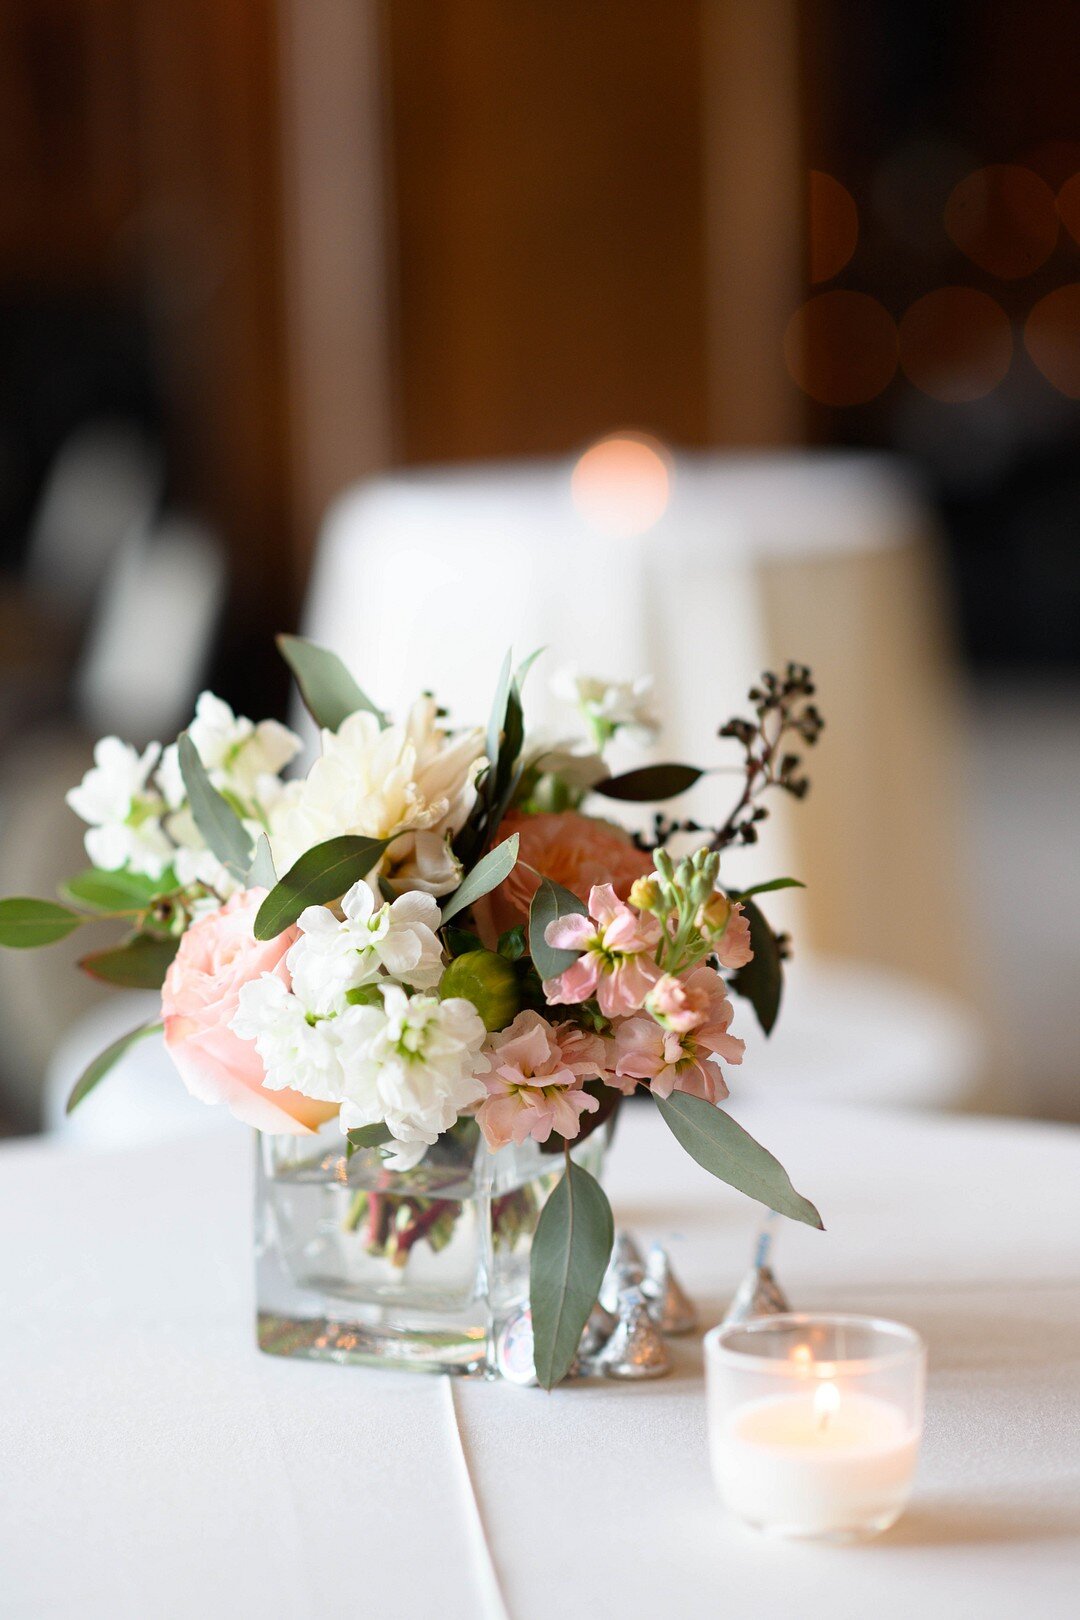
(151,639)
(104,487)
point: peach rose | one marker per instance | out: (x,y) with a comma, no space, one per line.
(577,851)
(218,955)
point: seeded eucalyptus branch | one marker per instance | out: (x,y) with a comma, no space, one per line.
(783,714)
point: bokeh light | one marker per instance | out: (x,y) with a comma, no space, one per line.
(841,347)
(621,485)
(832,226)
(1004,218)
(956,344)
(1068,206)
(1052,336)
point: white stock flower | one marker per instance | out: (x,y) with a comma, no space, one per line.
(240,756)
(332,957)
(414,1062)
(123,812)
(610,706)
(298,1054)
(375,782)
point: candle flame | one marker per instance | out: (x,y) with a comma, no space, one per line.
(826,1404)
(803,1357)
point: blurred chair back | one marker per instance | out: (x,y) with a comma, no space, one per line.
(104,487)
(150,641)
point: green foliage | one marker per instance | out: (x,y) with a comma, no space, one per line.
(767,888)
(99,1068)
(221,827)
(460,940)
(550,902)
(761,981)
(329,692)
(320,876)
(649,783)
(512,944)
(139,964)
(261,873)
(570,1252)
(489,981)
(25,924)
(368,1136)
(731,1154)
(486,875)
(118,891)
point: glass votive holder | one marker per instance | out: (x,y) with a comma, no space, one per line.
(815,1422)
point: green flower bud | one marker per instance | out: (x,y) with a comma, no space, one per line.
(662,862)
(488,981)
(645,894)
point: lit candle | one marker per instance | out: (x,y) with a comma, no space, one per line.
(815,1422)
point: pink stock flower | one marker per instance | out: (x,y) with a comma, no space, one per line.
(535,1082)
(733,949)
(670,1059)
(219,955)
(678,1005)
(617,966)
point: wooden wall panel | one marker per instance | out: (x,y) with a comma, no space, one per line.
(547,184)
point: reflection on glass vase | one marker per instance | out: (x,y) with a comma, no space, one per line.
(416,1269)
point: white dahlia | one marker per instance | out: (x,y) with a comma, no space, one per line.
(376,782)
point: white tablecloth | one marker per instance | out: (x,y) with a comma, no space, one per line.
(153,1465)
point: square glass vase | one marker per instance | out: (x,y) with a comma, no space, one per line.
(417,1269)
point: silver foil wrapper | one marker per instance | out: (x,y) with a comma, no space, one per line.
(636,1349)
(670,1307)
(625,1269)
(598,1330)
(514,1351)
(759,1293)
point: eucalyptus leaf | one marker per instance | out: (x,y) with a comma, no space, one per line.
(117,891)
(731,1154)
(550,902)
(497,722)
(329,692)
(761,981)
(25,924)
(525,666)
(261,873)
(99,1068)
(321,875)
(221,827)
(139,964)
(649,782)
(767,888)
(369,1136)
(486,875)
(570,1252)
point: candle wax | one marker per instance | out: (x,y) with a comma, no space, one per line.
(785,1465)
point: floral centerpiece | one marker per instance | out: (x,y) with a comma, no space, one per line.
(428,976)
